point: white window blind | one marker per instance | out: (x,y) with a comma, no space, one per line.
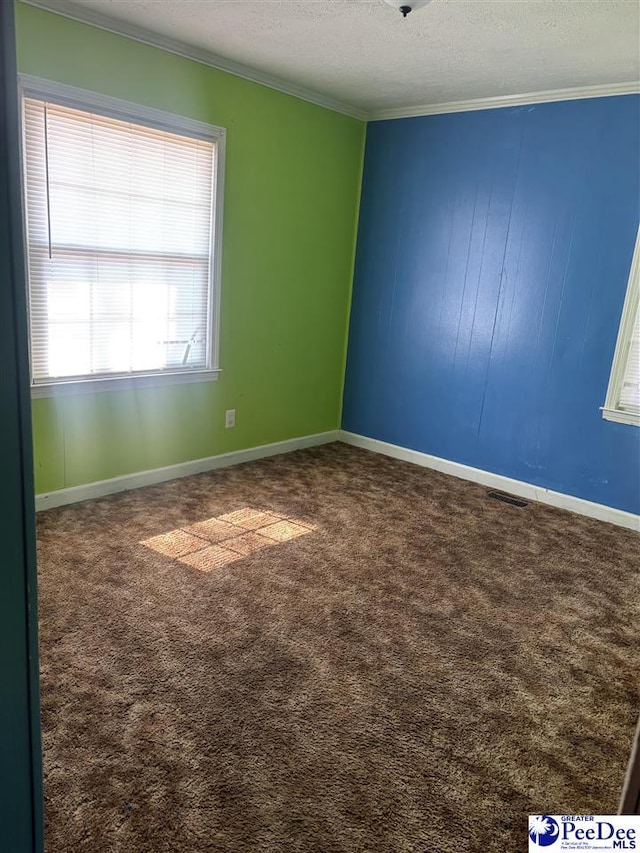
(630,391)
(119,234)
(623,395)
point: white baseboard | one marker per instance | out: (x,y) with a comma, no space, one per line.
(506,484)
(99,489)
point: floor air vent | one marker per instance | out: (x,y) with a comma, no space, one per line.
(507,499)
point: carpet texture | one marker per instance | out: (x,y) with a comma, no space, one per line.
(330,652)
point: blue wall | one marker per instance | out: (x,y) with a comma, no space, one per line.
(493,256)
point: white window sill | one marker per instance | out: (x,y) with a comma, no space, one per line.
(120,383)
(621,417)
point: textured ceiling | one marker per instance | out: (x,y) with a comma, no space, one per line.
(363,53)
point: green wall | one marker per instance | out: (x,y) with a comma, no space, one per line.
(292,186)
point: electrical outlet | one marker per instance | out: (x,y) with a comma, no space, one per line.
(229,418)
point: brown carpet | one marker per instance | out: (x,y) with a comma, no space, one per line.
(360,655)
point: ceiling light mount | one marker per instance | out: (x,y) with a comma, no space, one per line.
(406,6)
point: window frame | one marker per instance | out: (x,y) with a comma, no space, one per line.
(611,410)
(88,101)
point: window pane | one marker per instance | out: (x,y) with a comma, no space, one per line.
(141,314)
(119,224)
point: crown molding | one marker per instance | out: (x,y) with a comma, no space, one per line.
(573,94)
(68,9)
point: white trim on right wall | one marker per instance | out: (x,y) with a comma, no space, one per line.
(497,481)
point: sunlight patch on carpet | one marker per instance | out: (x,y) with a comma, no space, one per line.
(213,530)
(213,557)
(176,543)
(282,531)
(216,542)
(250,519)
